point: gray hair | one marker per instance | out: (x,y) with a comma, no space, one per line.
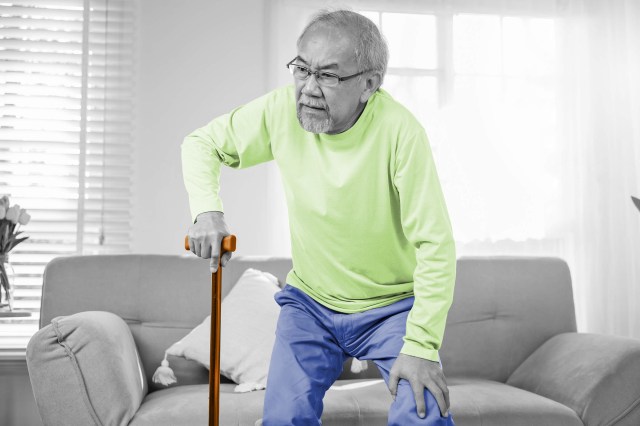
(371,51)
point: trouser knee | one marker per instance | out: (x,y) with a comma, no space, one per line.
(403,411)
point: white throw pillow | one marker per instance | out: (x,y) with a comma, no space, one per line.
(249,317)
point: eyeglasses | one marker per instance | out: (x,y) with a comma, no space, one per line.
(326,79)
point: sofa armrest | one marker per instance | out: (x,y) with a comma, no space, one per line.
(85,370)
(596,375)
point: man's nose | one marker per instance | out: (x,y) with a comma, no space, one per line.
(311,86)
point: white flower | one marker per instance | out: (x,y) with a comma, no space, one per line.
(12,213)
(24,217)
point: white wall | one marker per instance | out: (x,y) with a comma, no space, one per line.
(198,59)
(17,403)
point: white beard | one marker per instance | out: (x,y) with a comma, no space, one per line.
(315,125)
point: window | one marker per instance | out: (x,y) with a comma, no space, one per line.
(66,86)
(412,75)
(483,85)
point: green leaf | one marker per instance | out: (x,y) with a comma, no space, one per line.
(16,242)
(4,280)
(5,240)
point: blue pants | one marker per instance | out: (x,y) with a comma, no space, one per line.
(312,343)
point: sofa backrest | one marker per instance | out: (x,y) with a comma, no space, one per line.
(503,309)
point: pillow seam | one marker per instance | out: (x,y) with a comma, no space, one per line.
(77,371)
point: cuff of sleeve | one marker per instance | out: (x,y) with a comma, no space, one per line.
(204,205)
(410,348)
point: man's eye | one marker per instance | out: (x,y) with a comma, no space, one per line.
(328,77)
(300,68)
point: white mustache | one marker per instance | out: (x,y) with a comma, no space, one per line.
(312,104)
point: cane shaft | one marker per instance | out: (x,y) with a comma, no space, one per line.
(214,349)
(228,244)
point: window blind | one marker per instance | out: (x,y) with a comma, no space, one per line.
(66,89)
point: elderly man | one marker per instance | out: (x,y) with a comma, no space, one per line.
(372,248)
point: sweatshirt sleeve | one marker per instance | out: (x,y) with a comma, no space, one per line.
(425,222)
(238,139)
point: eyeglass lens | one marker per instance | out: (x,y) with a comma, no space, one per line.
(302,73)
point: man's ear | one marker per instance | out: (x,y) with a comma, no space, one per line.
(371,84)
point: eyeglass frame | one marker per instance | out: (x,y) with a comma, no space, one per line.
(317,73)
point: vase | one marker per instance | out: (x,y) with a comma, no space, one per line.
(7,282)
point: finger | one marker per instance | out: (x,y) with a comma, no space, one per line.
(439,397)
(393,384)
(215,261)
(205,251)
(225,258)
(192,245)
(445,392)
(418,394)
(198,246)
(440,382)
(215,251)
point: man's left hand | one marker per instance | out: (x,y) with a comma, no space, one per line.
(420,373)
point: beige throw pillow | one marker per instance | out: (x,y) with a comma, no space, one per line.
(249,317)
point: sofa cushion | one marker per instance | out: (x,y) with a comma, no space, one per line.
(347,403)
(249,319)
(179,405)
(476,402)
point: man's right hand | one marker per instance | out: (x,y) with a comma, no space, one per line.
(205,237)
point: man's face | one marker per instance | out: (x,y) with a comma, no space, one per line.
(328,109)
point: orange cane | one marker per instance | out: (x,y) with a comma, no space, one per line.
(228,244)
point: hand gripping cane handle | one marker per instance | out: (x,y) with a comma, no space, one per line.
(228,244)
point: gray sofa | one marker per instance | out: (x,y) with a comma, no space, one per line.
(511,353)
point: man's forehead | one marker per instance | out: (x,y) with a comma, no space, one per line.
(325,47)
(330,64)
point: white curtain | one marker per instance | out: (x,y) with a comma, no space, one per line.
(571,189)
(599,105)
(538,145)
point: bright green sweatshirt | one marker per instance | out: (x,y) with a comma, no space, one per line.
(367,217)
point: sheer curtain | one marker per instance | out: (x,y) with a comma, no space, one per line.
(535,129)
(559,187)
(599,105)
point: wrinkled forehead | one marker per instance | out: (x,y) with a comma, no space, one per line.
(326,46)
